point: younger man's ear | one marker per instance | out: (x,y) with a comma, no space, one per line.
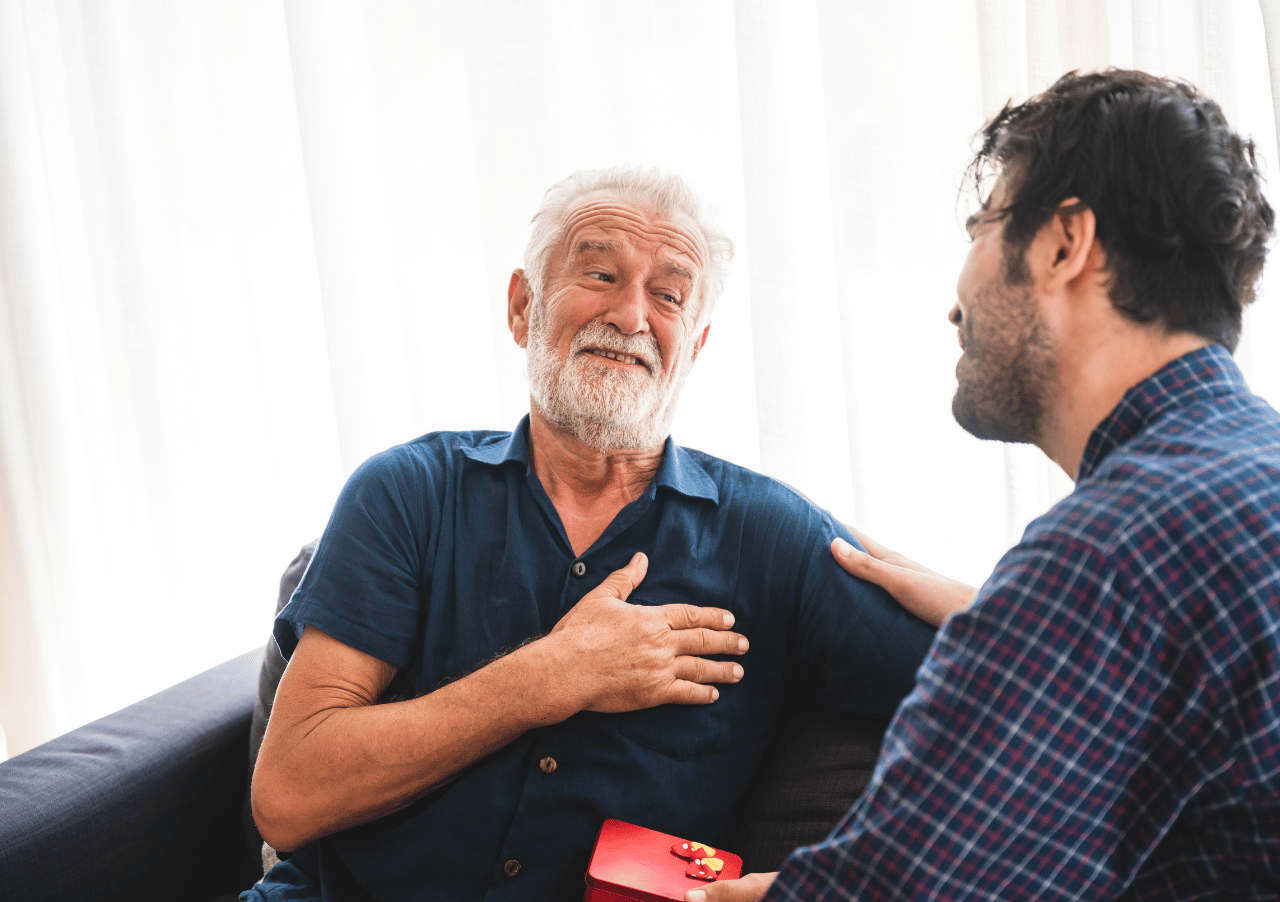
(518,307)
(1065,244)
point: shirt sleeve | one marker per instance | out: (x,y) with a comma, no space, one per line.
(364,586)
(1031,759)
(857,648)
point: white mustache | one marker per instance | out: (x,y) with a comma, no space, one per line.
(597,335)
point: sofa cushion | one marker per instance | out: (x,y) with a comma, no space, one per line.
(818,766)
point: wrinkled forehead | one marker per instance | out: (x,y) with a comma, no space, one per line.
(603,220)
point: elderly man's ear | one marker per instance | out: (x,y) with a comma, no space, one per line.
(701,342)
(518,307)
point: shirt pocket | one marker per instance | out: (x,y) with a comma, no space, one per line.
(678,731)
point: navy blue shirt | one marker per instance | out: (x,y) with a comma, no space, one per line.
(446,551)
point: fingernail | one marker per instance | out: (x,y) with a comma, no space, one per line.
(737,671)
(715,693)
(843,547)
(728,620)
(743,643)
(696,895)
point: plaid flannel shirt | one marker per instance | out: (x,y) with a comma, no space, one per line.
(1104,722)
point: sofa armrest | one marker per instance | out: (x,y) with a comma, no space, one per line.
(142,804)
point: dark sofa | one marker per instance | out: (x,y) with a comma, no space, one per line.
(151,802)
(142,804)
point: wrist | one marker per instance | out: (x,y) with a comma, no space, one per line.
(546,665)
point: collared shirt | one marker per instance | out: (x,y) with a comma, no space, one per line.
(446,551)
(1104,722)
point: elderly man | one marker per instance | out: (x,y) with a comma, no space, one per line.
(1104,721)
(466,700)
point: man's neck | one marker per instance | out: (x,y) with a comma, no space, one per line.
(1096,370)
(588,486)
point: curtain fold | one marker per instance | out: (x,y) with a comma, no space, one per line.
(789,217)
(244,245)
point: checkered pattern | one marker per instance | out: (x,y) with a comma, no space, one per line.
(1104,722)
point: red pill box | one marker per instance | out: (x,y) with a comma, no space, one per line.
(636,864)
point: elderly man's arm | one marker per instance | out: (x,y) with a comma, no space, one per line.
(925,593)
(333,758)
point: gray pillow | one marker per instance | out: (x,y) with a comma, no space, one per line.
(273,664)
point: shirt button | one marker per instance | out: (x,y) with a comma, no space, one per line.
(548,765)
(511,868)
(578,568)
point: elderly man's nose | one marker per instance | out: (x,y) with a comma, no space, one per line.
(629,308)
(955,316)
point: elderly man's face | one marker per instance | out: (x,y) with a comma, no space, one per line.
(616,330)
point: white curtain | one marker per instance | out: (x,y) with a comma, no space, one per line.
(244,244)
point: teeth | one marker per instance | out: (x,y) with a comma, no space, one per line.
(614,355)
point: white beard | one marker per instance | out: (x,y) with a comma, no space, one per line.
(601,406)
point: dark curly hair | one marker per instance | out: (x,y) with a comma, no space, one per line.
(1176,193)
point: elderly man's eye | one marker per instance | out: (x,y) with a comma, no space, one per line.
(602,276)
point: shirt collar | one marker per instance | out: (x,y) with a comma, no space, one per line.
(1203,373)
(679,470)
(500,448)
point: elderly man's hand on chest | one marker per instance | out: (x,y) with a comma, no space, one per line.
(625,657)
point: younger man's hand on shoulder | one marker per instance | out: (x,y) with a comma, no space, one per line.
(925,593)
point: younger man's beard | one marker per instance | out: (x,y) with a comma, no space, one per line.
(1007,369)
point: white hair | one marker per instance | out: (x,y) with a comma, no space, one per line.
(663,193)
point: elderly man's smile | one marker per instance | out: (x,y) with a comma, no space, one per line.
(617,356)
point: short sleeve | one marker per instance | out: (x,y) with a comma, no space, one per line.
(857,648)
(366,582)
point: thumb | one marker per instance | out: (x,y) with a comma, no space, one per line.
(855,562)
(621,583)
(744,889)
(865,566)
